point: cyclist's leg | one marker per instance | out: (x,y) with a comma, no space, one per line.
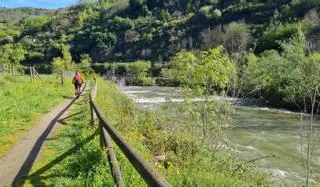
(75,89)
(78,89)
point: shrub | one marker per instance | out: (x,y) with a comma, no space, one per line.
(120,24)
(205,11)
(138,73)
(217,13)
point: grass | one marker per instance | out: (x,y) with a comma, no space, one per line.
(73,157)
(22,102)
(188,161)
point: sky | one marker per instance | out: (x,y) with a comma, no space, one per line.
(50,4)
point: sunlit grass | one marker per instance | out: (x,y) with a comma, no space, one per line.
(76,146)
(22,102)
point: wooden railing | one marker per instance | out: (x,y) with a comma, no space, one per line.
(109,133)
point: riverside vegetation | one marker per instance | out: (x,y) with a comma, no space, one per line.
(188,160)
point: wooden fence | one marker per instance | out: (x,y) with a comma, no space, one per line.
(109,133)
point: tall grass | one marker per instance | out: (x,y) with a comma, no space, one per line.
(186,160)
(23,101)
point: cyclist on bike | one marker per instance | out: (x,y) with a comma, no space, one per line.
(77,80)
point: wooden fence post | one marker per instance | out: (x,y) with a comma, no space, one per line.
(30,71)
(114,164)
(102,141)
(34,72)
(93,116)
(93,112)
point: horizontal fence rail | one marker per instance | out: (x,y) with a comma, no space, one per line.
(148,173)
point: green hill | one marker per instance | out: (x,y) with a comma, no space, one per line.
(155,30)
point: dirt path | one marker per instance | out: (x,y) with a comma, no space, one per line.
(18,161)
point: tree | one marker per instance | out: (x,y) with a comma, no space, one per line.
(237,37)
(217,13)
(34,23)
(85,63)
(12,55)
(214,70)
(292,76)
(210,69)
(138,73)
(205,11)
(202,76)
(61,64)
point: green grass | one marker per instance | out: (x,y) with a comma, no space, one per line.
(22,102)
(73,157)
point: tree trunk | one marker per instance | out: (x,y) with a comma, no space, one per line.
(10,69)
(62,78)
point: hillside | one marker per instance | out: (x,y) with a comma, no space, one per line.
(13,21)
(153,30)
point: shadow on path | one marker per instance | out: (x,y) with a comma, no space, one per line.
(27,165)
(63,120)
(36,178)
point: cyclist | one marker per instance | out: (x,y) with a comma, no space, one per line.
(77,80)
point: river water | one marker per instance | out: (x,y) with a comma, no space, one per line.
(256,132)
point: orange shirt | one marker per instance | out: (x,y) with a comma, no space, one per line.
(78,78)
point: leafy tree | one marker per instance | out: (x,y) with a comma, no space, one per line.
(290,75)
(106,3)
(249,75)
(217,13)
(184,66)
(165,15)
(64,63)
(205,11)
(34,23)
(138,73)
(12,54)
(204,74)
(120,24)
(237,37)
(85,64)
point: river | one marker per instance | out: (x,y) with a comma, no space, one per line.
(256,132)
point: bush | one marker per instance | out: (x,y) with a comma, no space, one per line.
(205,11)
(217,13)
(155,70)
(120,24)
(135,73)
(138,73)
